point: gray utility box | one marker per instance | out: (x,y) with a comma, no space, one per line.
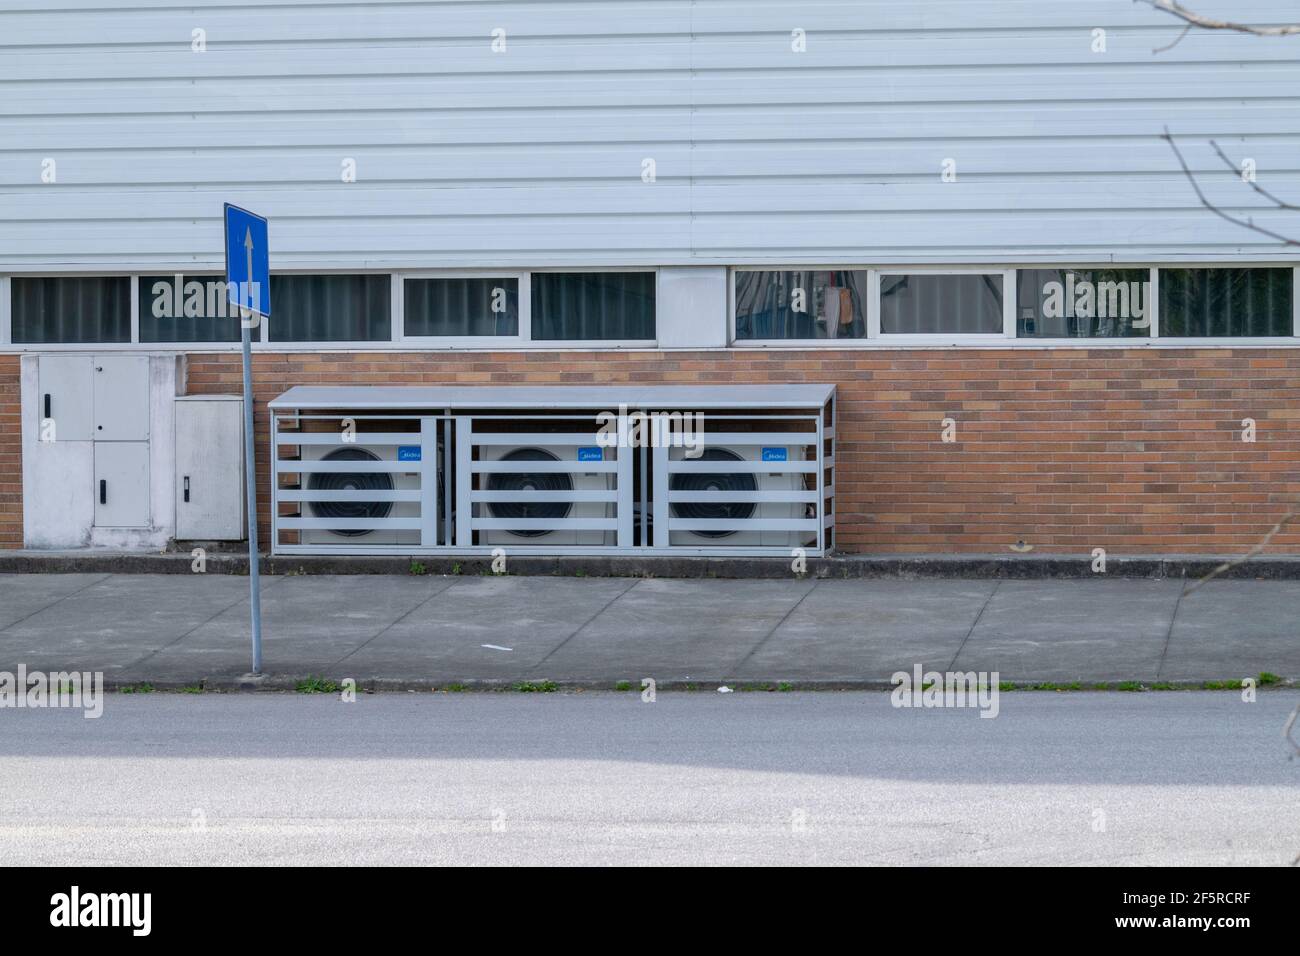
(95,397)
(210,468)
(103,399)
(97,449)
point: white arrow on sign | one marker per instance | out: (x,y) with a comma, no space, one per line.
(248,248)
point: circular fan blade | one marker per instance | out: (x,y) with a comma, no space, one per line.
(732,510)
(540,481)
(350,481)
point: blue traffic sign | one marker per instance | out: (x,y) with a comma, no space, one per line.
(248,260)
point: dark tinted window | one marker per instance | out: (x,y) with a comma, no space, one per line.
(330,308)
(191,308)
(461,306)
(71,310)
(593,305)
(1224,302)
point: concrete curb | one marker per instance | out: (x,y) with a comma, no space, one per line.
(1026,567)
(280,684)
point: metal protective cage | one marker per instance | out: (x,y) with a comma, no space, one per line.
(707,470)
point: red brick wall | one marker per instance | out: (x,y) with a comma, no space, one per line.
(11,464)
(1136,451)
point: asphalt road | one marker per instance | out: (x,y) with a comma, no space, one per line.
(694,778)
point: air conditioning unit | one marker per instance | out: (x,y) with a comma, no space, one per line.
(361,481)
(740,510)
(575,480)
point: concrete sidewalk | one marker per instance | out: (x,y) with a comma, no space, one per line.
(173,629)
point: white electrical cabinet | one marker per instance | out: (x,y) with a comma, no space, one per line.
(95,397)
(121,386)
(66,398)
(121,484)
(210,468)
(97,452)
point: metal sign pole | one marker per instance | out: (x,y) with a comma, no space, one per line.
(250,292)
(250,481)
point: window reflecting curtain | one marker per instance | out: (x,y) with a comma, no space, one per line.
(801,305)
(1083,303)
(920,303)
(461,306)
(1222,302)
(593,305)
(330,308)
(179,308)
(71,310)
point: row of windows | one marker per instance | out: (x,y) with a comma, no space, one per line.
(1048,303)
(338,308)
(768,306)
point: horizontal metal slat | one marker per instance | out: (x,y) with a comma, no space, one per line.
(685,466)
(360,438)
(790,497)
(352,524)
(544,524)
(540,467)
(319,467)
(556,439)
(296,494)
(742,524)
(749,439)
(543,496)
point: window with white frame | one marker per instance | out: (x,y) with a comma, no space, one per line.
(1220,303)
(1083,303)
(186,308)
(801,304)
(592,306)
(330,308)
(68,310)
(460,306)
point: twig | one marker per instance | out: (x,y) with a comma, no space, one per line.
(1236,171)
(1228,565)
(1246,223)
(1208,23)
(1169,46)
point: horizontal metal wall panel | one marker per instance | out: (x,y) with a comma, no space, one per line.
(535,155)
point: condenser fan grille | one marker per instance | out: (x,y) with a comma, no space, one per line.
(350,481)
(731,510)
(540,481)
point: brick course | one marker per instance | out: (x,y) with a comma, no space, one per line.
(11,464)
(1133,450)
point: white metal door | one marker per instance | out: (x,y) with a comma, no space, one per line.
(66,397)
(121,484)
(210,469)
(121,398)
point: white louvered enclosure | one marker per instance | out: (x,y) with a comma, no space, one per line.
(703,470)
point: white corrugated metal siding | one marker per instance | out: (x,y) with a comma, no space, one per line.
(534,156)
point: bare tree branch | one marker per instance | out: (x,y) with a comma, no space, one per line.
(1247,223)
(1208,23)
(1228,565)
(1177,40)
(1281,204)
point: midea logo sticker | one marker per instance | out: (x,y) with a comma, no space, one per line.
(102,909)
